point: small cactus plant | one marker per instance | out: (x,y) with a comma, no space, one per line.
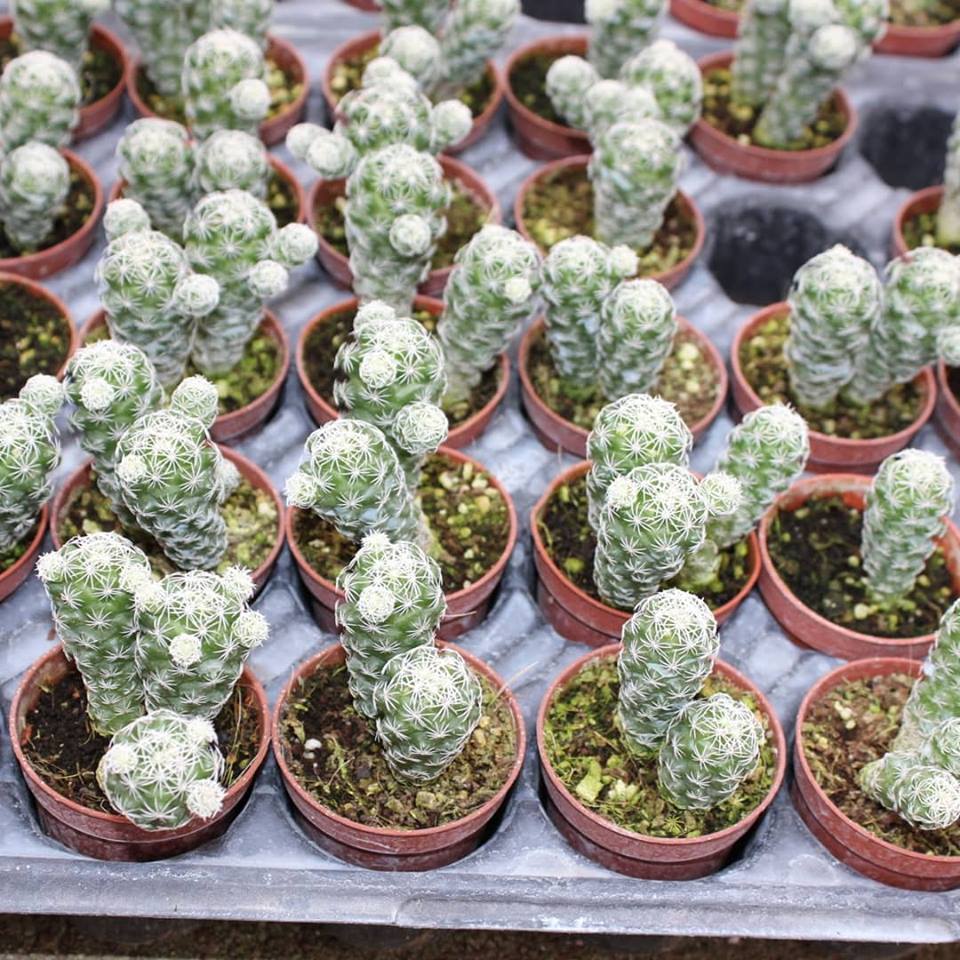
(232,160)
(760,51)
(923,794)
(39,101)
(673,78)
(34,184)
(29,453)
(948,216)
(249,17)
(618,29)
(428,14)
(61,27)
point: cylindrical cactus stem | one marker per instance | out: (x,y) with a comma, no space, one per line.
(232,160)
(618,29)
(195,634)
(924,795)
(157,163)
(29,453)
(174,479)
(393,601)
(708,752)
(396,202)
(152,298)
(921,304)
(163,32)
(111,385)
(428,703)
(942,746)
(491,293)
(948,217)
(39,101)
(638,322)
(578,274)
(414,50)
(673,78)
(91,582)
(634,171)
(60,26)
(162,770)
(759,51)
(651,520)
(669,648)
(429,14)
(224,84)
(232,238)
(834,301)
(609,102)
(34,183)
(631,432)
(907,502)
(568,80)
(350,476)
(249,17)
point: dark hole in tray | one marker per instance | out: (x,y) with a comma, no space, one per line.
(756,250)
(906,145)
(568,11)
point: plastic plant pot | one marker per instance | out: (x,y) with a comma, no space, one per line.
(706,18)
(901,41)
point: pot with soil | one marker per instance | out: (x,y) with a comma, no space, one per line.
(916,223)
(930,31)
(615,796)
(714,19)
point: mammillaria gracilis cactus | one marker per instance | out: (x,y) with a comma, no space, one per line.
(61,27)
(29,453)
(91,583)
(948,216)
(162,770)
(428,14)
(39,101)
(674,79)
(618,29)
(923,794)
(34,184)
(232,160)
(249,17)
(393,601)
(428,704)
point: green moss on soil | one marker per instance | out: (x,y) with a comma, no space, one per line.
(528,80)
(348,774)
(816,550)
(921,231)
(765,369)
(853,725)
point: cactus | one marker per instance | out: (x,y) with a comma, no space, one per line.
(173,478)
(673,78)
(61,27)
(34,184)
(907,502)
(232,160)
(162,770)
(618,29)
(232,237)
(669,647)
(195,633)
(428,14)
(568,80)
(428,704)
(152,299)
(834,301)
(350,476)
(760,50)
(923,794)
(249,17)
(111,385)
(631,432)
(224,84)
(948,217)
(708,752)
(29,453)
(39,101)
(91,583)
(415,50)
(393,602)
(491,293)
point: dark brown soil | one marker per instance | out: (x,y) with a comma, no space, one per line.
(854,724)
(64,750)
(587,753)
(466,215)
(738,122)
(250,514)
(34,338)
(528,80)
(765,369)
(816,549)
(688,380)
(905,13)
(348,773)
(560,205)
(466,512)
(571,544)
(953,379)
(921,231)
(13,553)
(325,340)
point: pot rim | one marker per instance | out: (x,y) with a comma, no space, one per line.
(40,292)
(914,204)
(32,549)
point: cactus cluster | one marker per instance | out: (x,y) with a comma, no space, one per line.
(61,27)
(618,29)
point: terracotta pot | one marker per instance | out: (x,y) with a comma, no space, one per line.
(108,836)
(379,848)
(923,201)
(947,413)
(465,608)
(536,137)
(368,6)
(322,411)
(556,433)
(273,130)
(324,192)
(850,843)
(705,17)
(919,41)
(726,155)
(637,855)
(363,43)
(248,470)
(810,629)
(14,575)
(573,613)
(45,263)
(236,425)
(669,278)
(830,454)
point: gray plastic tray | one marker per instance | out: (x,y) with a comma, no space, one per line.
(525,877)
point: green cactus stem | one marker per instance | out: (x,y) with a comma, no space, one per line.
(568,80)
(428,14)
(249,17)
(39,101)
(942,746)
(923,794)
(618,29)
(948,217)
(232,160)
(674,79)
(61,27)
(759,51)
(34,183)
